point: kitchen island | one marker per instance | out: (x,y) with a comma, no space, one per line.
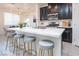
(53,34)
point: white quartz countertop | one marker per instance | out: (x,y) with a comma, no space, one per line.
(53,32)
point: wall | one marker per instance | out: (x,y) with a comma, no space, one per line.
(75,24)
(1,18)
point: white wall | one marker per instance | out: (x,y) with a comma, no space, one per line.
(75,24)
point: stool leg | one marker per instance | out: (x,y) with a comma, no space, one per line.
(28,46)
(19,43)
(52,52)
(43,52)
(48,52)
(40,52)
(24,49)
(15,44)
(7,42)
(12,41)
(35,47)
(31,48)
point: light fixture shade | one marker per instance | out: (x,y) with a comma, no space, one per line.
(56,7)
(49,6)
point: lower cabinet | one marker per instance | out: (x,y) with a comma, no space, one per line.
(67,35)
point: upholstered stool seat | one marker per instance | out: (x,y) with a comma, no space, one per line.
(29,39)
(46,44)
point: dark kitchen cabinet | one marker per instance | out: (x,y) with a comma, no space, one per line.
(44,13)
(67,35)
(65,11)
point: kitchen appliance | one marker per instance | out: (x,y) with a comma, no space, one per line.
(53,16)
(53,24)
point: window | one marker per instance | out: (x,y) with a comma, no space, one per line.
(11,19)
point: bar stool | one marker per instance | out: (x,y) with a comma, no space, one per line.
(9,35)
(46,45)
(17,39)
(29,40)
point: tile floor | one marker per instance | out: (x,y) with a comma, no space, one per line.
(68,49)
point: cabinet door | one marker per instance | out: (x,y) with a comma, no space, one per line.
(44,13)
(41,13)
(65,11)
(61,11)
(67,35)
(70,10)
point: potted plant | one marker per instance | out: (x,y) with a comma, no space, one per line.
(21,25)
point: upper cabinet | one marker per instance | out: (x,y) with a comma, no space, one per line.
(64,10)
(44,13)
(53,8)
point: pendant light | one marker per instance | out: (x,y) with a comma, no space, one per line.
(12,12)
(49,6)
(20,24)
